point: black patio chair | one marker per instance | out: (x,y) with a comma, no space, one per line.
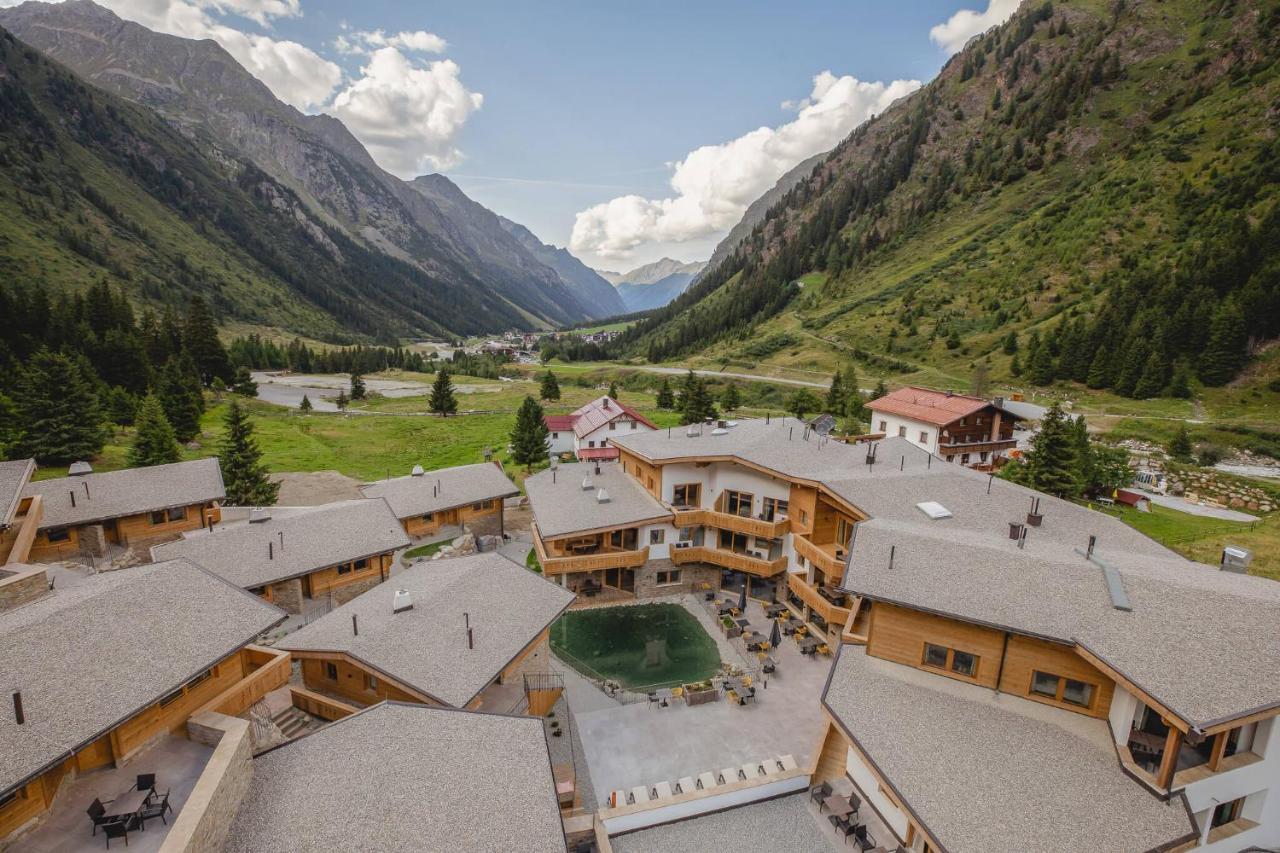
(854,802)
(98,814)
(863,838)
(154,810)
(147,782)
(820,792)
(846,828)
(116,829)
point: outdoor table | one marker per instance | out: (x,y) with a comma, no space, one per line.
(664,695)
(768,664)
(838,805)
(775,609)
(742,622)
(725,607)
(808,644)
(1152,742)
(128,803)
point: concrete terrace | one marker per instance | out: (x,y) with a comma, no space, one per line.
(788,824)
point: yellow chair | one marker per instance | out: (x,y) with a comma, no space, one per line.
(677,692)
(746,681)
(824,649)
(731,696)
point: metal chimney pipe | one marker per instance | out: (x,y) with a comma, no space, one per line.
(281,532)
(18,714)
(1088,554)
(902,462)
(271,552)
(85,483)
(355,626)
(893,549)
(73,498)
(990,477)
(471,640)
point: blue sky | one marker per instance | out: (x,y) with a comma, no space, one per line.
(571,117)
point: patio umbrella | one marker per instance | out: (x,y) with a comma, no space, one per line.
(775,636)
(742,599)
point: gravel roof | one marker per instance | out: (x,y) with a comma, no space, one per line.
(561,506)
(426,648)
(443,489)
(115,494)
(93,654)
(782,825)
(405,777)
(13,476)
(992,772)
(300,542)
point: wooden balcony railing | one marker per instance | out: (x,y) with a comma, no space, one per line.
(728,521)
(728,560)
(268,669)
(319,705)
(826,562)
(833,614)
(557,565)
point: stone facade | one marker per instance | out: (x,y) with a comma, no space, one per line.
(343,594)
(93,540)
(206,818)
(287,595)
(692,577)
(20,587)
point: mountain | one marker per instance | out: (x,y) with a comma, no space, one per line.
(653,285)
(594,293)
(200,89)
(1088,193)
(95,188)
(759,208)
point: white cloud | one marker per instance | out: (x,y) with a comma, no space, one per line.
(367,41)
(407,115)
(295,73)
(956,31)
(715,183)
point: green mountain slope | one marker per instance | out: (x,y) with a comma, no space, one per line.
(1086,193)
(95,188)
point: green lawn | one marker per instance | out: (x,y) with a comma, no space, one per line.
(425,550)
(639,646)
(1202,539)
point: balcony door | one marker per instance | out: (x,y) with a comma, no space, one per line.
(687,495)
(738,503)
(731,541)
(624,540)
(774,508)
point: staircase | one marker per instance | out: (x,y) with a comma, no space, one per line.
(295,723)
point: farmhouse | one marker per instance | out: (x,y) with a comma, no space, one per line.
(298,557)
(970,430)
(426,501)
(136,507)
(586,432)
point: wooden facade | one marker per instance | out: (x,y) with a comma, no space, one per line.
(140,530)
(17,540)
(287,594)
(166,715)
(427,525)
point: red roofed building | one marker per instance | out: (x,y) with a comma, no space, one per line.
(957,427)
(586,432)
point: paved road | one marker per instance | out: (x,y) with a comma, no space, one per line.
(751,377)
(1197,509)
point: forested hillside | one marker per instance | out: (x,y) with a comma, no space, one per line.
(94,188)
(1087,192)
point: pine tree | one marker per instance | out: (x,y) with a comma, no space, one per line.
(802,402)
(243,383)
(729,398)
(529,438)
(1154,374)
(881,390)
(153,442)
(550,389)
(119,406)
(836,395)
(1225,352)
(613,390)
(177,391)
(342,400)
(1052,461)
(1180,384)
(305,405)
(1100,369)
(1010,344)
(58,412)
(1040,369)
(243,474)
(8,425)
(357,387)
(980,381)
(200,339)
(1180,445)
(442,401)
(666,400)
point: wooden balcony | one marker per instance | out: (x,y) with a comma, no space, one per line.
(834,615)
(728,560)
(822,556)
(953,447)
(559,565)
(728,521)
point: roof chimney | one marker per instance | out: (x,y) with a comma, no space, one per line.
(259,514)
(587,485)
(417,471)
(18,714)
(1236,559)
(78,469)
(401,601)
(602,497)
(605,404)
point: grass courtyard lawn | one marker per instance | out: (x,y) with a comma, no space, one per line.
(425,550)
(1202,539)
(615,642)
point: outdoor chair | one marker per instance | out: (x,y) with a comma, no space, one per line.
(820,792)
(824,649)
(845,828)
(854,803)
(146,782)
(98,814)
(863,838)
(116,829)
(155,810)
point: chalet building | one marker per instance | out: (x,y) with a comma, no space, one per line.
(297,557)
(400,776)
(102,665)
(447,633)
(136,507)
(959,428)
(426,501)
(586,432)
(1108,693)
(19,515)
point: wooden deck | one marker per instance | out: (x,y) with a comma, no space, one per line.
(822,556)
(728,560)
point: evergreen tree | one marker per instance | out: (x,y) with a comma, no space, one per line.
(1180,384)
(1100,369)
(730,398)
(243,473)
(357,387)
(1010,344)
(980,381)
(153,442)
(1154,374)
(200,339)
(695,404)
(342,401)
(1040,369)
(119,406)
(550,389)
(59,419)
(836,395)
(442,401)
(802,402)
(8,425)
(305,405)
(613,390)
(1225,352)
(666,400)
(178,392)
(1053,459)
(1180,445)
(881,390)
(529,438)
(243,383)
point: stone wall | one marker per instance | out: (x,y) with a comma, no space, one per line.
(287,595)
(1215,487)
(207,815)
(691,579)
(22,586)
(343,594)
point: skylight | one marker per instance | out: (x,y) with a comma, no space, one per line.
(934,510)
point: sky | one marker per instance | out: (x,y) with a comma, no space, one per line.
(627,132)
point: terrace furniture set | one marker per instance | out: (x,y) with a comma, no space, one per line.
(843,816)
(129,810)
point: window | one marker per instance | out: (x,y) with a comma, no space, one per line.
(1060,689)
(804,516)
(844,531)
(427,516)
(613,425)
(774,508)
(200,679)
(884,426)
(1227,812)
(738,503)
(58,535)
(924,437)
(178,513)
(941,657)
(157,517)
(480,506)
(555,435)
(964,458)
(169,698)
(963,421)
(902,432)
(1043,684)
(331,671)
(161,516)
(686,534)
(983,456)
(1077,692)
(591,443)
(668,578)
(370,683)
(657,536)
(686,494)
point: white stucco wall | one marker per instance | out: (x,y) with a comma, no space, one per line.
(892,424)
(866,782)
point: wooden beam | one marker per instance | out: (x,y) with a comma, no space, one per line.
(1169,762)
(1170,718)
(1242,721)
